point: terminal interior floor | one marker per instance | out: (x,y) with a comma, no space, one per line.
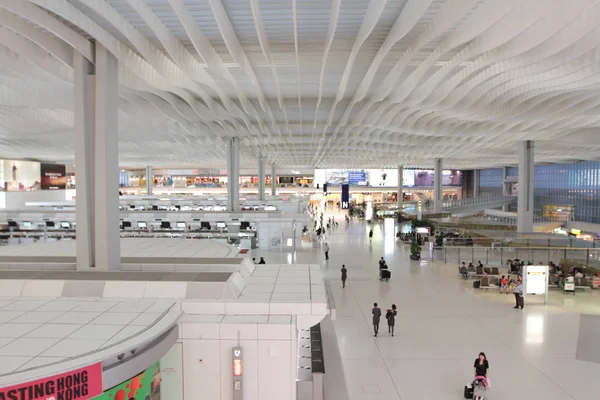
(442,325)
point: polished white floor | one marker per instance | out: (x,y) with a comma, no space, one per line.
(442,325)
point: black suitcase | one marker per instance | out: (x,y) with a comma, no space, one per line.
(385,274)
(468,392)
(476,284)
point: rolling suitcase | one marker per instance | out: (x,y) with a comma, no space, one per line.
(476,284)
(386,274)
(469,392)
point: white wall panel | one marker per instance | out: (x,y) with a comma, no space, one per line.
(201,369)
(274,369)
(171,373)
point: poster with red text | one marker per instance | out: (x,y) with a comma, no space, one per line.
(80,384)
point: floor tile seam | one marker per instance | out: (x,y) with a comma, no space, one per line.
(528,361)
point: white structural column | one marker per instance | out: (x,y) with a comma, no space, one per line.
(233,171)
(438,196)
(525,200)
(400,187)
(273,181)
(504,186)
(149,180)
(476,183)
(261,177)
(97,161)
(84,112)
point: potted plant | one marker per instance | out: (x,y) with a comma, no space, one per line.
(415,251)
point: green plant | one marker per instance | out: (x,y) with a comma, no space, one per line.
(439,240)
(424,223)
(415,249)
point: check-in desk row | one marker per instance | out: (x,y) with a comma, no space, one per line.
(28,232)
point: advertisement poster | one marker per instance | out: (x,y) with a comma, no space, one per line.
(80,384)
(53,176)
(389,178)
(450,177)
(145,386)
(424,177)
(357,178)
(21,175)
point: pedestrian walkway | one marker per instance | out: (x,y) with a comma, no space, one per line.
(441,327)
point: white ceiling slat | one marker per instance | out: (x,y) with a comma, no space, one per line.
(353,83)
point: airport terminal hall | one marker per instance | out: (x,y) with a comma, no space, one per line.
(299,199)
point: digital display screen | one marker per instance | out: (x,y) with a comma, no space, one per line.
(221,225)
(26,224)
(181,225)
(357,178)
(65,225)
(53,177)
(142,225)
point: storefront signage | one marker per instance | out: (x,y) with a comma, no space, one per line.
(81,384)
(144,386)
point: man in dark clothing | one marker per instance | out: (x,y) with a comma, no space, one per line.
(376,317)
(344,276)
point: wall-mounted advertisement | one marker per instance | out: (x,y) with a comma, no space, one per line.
(424,177)
(80,384)
(389,178)
(450,177)
(21,175)
(145,386)
(336,177)
(53,176)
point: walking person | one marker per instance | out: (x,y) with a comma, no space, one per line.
(326,248)
(371,234)
(376,317)
(518,292)
(390,315)
(344,276)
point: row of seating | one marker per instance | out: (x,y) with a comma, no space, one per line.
(480,271)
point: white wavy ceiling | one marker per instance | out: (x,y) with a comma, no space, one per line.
(331,83)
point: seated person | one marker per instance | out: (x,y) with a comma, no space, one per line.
(504,284)
(578,274)
(471,265)
(464,271)
(480,264)
(262,261)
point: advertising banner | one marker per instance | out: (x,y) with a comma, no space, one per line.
(21,175)
(80,384)
(54,176)
(450,177)
(345,204)
(357,178)
(145,386)
(424,177)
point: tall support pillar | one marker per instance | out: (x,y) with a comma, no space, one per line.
(438,195)
(525,200)
(97,161)
(233,170)
(273,181)
(149,180)
(504,186)
(400,187)
(261,177)
(476,183)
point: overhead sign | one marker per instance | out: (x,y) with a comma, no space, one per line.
(80,384)
(345,204)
